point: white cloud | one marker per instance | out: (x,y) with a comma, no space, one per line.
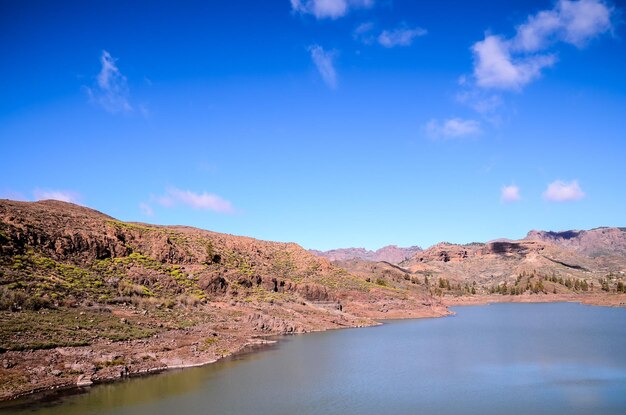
(62,195)
(332,9)
(574,22)
(324,61)
(510,64)
(400,36)
(584,20)
(111,89)
(452,128)
(202,201)
(494,66)
(560,191)
(510,194)
(537,32)
(146,209)
(479,100)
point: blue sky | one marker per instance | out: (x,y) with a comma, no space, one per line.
(330,123)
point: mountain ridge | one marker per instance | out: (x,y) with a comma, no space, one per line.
(390,253)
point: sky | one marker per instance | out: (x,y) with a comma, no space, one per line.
(329,123)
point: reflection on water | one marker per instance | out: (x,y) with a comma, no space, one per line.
(131,392)
(504,358)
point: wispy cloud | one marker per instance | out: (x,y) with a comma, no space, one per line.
(62,195)
(363,33)
(510,194)
(111,88)
(324,61)
(560,191)
(201,201)
(480,101)
(512,63)
(452,128)
(329,9)
(402,36)
(146,209)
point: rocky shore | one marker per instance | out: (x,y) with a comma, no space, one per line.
(31,372)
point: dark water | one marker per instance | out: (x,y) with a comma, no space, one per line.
(497,359)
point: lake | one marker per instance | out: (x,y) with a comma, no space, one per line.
(557,358)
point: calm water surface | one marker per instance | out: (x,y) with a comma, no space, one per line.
(497,359)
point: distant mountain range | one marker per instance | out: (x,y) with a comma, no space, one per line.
(391,253)
(603,241)
(544,261)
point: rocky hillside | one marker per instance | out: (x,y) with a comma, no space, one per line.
(538,264)
(66,254)
(85,297)
(391,253)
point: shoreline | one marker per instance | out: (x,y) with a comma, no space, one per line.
(607,300)
(36,396)
(251,345)
(257,344)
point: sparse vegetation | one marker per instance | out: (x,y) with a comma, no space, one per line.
(31,330)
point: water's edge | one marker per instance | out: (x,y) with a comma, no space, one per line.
(260,343)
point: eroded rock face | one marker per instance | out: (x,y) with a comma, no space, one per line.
(214,284)
(313,292)
(458,253)
(521,248)
(442,252)
(266,323)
